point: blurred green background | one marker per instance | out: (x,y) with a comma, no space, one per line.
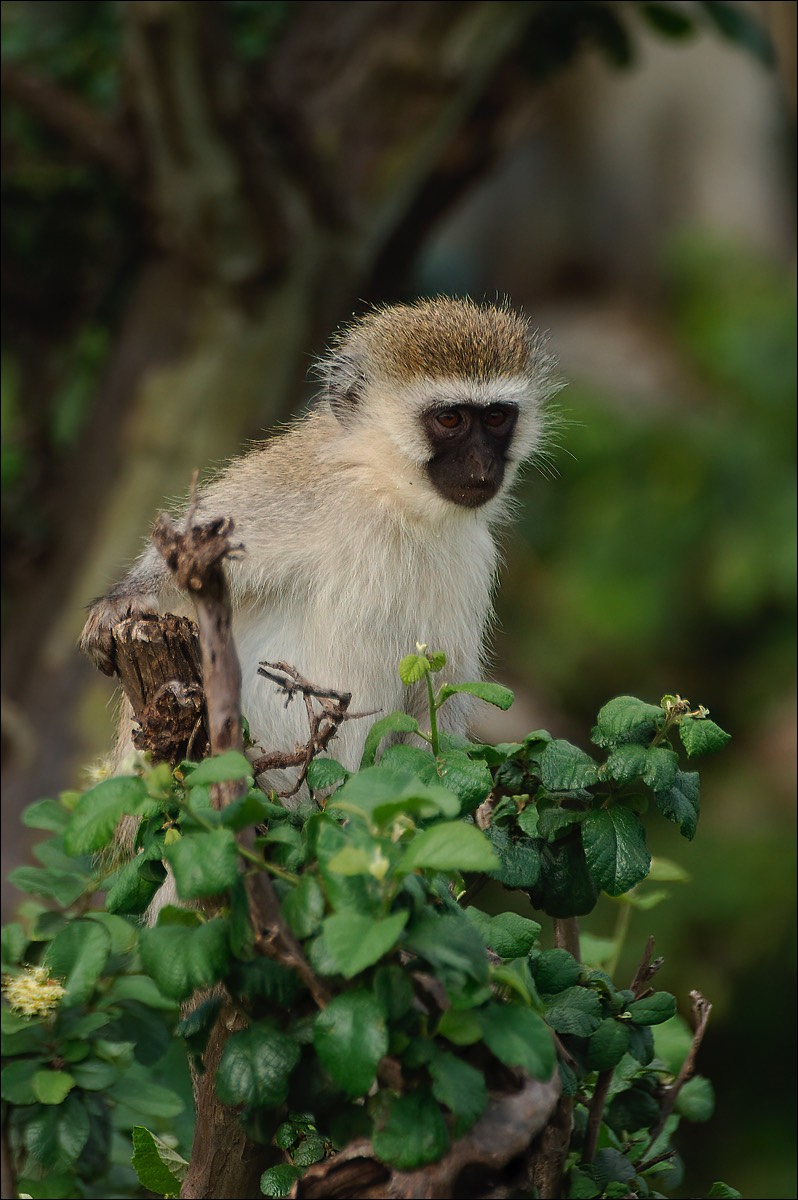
(194,195)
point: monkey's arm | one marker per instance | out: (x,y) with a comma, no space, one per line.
(252,492)
(140,593)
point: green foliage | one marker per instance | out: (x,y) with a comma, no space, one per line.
(375,896)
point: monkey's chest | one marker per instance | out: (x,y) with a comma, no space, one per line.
(351,638)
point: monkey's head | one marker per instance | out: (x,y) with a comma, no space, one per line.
(456,388)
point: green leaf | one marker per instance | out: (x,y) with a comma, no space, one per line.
(626,719)
(130,890)
(722,1191)
(383,794)
(328,839)
(460,1087)
(519,1038)
(581,1186)
(576,1010)
(492,693)
(94,1075)
(552,821)
(278,1182)
(393,990)
(355,860)
(397,722)
(196,1025)
(65,887)
(701,736)
(204,864)
(356,942)
(183,958)
(566,768)
(159,1168)
(461,1027)
(412,668)
(17,1080)
(413,1131)
(350,1036)
(665,870)
(14,943)
(324,773)
(696,1100)
(452,946)
(682,802)
(662,765)
(555,970)
(742,28)
(230,767)
(673,1040)
(45,814)
(565,888)
(77,955)
(250,809)
(469,779)
(509,934)
(303,907)
(610,1165)
(449,846)
(98,811)
(653,1009)
(256,1067)
(410,760)
(57,1133)
(137,987)
(626,762)
(607,1045)
(137,1091)
(52,1087)
(528,819)
(309,1151)
(262,977)
(667,20)
(615,848)
(519,858)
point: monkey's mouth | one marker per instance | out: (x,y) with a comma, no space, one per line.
(474,493)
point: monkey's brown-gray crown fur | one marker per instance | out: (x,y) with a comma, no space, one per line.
(433,339)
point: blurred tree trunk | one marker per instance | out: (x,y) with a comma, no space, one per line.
(269,198)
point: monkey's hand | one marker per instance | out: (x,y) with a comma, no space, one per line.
(96,640)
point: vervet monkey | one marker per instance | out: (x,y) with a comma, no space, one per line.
(369,526)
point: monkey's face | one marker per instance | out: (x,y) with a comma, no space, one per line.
(470,444)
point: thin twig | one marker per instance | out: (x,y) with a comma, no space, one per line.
(701,1013)
(595,1114)
(646,971)
(323,725)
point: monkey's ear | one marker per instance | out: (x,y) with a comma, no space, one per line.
(344,379)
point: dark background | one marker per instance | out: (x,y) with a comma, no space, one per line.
(194,195)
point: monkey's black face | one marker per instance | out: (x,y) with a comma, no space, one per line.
(469,446)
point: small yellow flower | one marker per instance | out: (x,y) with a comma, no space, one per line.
(33,993)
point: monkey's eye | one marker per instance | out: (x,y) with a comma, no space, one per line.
(495,418)
(449,418)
